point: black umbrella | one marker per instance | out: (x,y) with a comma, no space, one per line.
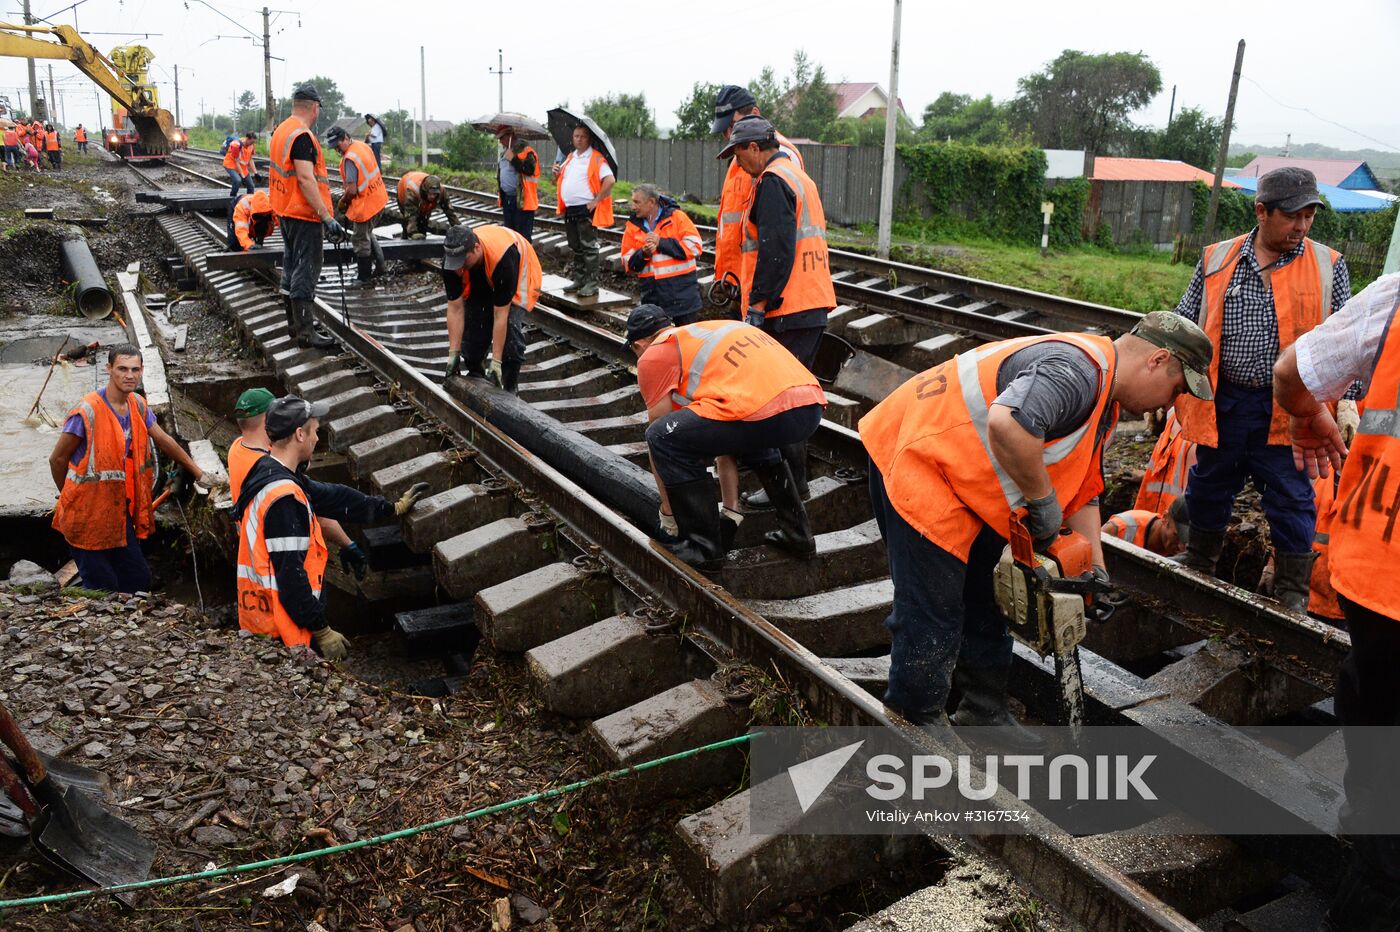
(518,123)
(561,127)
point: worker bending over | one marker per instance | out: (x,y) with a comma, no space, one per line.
(238,163)
(956,449)
(419,195)
(362,197)
(721,388)
(584,181)
(492,279)
(281,551)
(1164,480)
(251,222)
(517,183)
(660,246)
(105,474)
(1160,533)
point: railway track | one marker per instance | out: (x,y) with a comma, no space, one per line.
(518,524)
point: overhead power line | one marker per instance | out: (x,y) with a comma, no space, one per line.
(1357,132)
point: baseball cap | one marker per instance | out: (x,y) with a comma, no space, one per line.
(306,92)
(749,129)
(459,241)
(253,402)
(645,320)
(1288,189)
(336,134)
(731,97)
(285,415)
(432,183)
(1184,340)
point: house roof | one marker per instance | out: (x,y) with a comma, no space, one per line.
(1116,169)
(848,94)
(355,126)
(1328,171)
(1342,200)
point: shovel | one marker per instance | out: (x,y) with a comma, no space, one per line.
(69,828)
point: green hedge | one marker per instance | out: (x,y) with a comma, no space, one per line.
(993,190)
(1067,222)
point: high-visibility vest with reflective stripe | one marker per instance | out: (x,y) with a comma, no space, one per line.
(107,486)
(1322,598)
(241,458)
(675,225)
(287,199)
(495,240)
(370,197)
(1167,471)
(248,205)
(734,200)
(603,213)
(1131,526)
(528,196)
(930,441)
(411,183)
(231,155)
(51,142)
(11,136)
(729,370)
(809,284)
(80,135)
(259,605)
(246,151)
(1302,300)
(1364,546)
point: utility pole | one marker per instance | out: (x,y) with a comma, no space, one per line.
(267,72)
(1171,111)
(500,72)
(423,89)
(33,82)
(177,96)
(1287,145)
(891,124)
(1224,144)
(52,98)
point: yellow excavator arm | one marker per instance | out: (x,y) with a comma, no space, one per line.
(155,125)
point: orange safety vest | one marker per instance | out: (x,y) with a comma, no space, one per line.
(1165,479)
(1302,300)
(603,213)
(676,225)
(809,285)
(241,458)
(528,197)
(370,197)
(80,135)
(108,485)
(730,370)
(734,200)
(1322,598)
(1131,526)
(246,151)
(259,606)
(231,155)
(495,240)
(287,199)
(23,130)
(52,143)
(249,204)
(1363,549)
(930,441)
(11,136)
(413,182)
(37,136)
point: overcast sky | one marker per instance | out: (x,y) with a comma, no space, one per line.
(1337,62)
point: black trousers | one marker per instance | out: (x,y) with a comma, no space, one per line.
(513,218)
(301,257)
(476,337)
(683,444)
(1368,694)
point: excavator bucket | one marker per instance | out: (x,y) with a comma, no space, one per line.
(155,127)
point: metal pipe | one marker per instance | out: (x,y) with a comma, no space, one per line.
(92,297)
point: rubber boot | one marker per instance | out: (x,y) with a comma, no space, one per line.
(510,377)
(728,527)
(291,312)
(380,266)
(795,455)
(984,703)
(1203,551)
(1293,579)
(309,336)
(588,281)
(693,505)
(794,533)
(364,271)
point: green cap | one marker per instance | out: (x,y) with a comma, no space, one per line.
(1184,340)
(253,402)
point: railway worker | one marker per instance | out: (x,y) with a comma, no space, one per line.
(713,389)
(517,183)
(1150,530)
(1255,295)
(252,445)
(301,197)
(238,165)
(362,197)
(956,449)
(105,474)
(660,246)
(733,103)
(419,195)
(12,151)
(584,181)
(36,135)
(375,139)
(1360,343)
(1322,597)
(54,147)
(31,154)
(492,278)
(80,138)
(281,550)
(251,222)
(1164,481)
(784,281)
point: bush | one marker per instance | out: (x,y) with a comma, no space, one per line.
(1233,216)
(995,190)
(1067,222)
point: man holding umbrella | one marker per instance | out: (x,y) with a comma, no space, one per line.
(517,182)
(584,181)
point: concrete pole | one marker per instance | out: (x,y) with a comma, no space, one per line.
(1171,111)
(177,96)
(29,62)
(269,122)
(423,90)
(891,125)
(53,98)
(1224,145)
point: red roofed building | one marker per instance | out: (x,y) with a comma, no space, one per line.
(861,99)
(1341,173)
(1116,169)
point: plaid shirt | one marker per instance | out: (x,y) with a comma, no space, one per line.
(1249,327)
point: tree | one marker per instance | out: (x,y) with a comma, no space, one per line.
(1082,101)
(963,118)
(1193,137)
(333,103)
(622,116)
(696,115)
(1241,160)
(868,131)
(812,102)
(465,148)
(768,94)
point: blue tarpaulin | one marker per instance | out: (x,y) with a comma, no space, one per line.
(1342,200)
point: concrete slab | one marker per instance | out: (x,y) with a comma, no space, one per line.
(208,460)
(1233,687)
(541,605)
(845,557)
(452,512)
(437,468)
(836,623)
(484,556)
(325,387)
(440,630)
(870,378)
(878,330)
(373,454)
(1300,911)
(553,285)
(344,432)
(351,401)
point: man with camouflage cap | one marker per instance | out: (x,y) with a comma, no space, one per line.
(1255,295)
(957,449)
(419,195)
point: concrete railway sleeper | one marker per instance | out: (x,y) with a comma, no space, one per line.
(596,593)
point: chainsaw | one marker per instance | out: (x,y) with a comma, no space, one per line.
(1047,598)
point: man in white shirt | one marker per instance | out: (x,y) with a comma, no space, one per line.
(375,137)
(584,181)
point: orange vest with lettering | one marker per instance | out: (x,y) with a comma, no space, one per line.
(809,285)
(1131,526)
(107,485)
(603,213)
(1322,598)
(287,199)
(930,441)
(734,200)
(259,607)
(370,197)
(730,370)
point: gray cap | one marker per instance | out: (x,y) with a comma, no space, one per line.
(306,91)
(749,129)
(644,321)
(1288,189)
(459,241)
(286,414)
(1184,340)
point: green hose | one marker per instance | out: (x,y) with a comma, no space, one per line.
(379,839)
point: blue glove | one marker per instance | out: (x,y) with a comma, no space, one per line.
(754,317)
(353,560)
(334,231)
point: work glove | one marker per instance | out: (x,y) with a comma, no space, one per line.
(353,560)
(1101,576)
(408,499)
(206,484)
(1044,520)
(334,231)
(754,318)
(1348,420)
(454,364)
(331,643)
(495,375)
(419,236)
(668,524)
